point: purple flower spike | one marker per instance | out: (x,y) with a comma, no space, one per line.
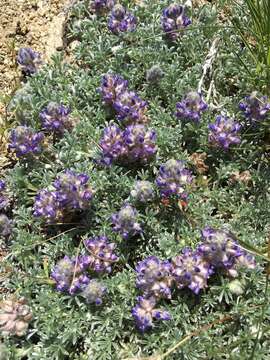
(25,141)
(145,312)
(112,144)
(191,270)
(29,60)
(121,20)
(221,250)
(68,274)
(47,206)
(101,7)
(56,118)
(154,277)
(191,107)
(5,226)
(101,255)
(93,292)
(141,143)
(112,85)
(73,191)
(143,191)
(130,108)
(174,21)
(224,132)
(125,222)
(173,179)
(255,107)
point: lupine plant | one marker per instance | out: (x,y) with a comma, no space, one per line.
(163,253)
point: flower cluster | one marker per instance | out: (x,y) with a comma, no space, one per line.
(125,221)
(69,274)
(154,277)
(255,107)
(154,74)
(101,7)
(134,144)
(173,179)
(221,250)
(224,132)
(191,107)
(101,254)
(174,20)
(93,292)
(129,107)
(29,60)
(56,118)
(25,141)
(145,312)
(121,20)
(15,317)
(190,269)
(71,193)
(143,191)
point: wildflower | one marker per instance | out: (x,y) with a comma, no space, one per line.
(14,317)
(255,107)
(140,143)
(173,179)
(112,144)
(125,222)
(130,108)
(93,292)
(112,85)
(221,250)
(25,141)
(154,277)
(143,191)
(69,274)
(101,7)
(73,192)
(191,107)
(101,253)
(121,20)
(191,270)
(224,132)
(145,312)
(29,60)
(56,118)
(154,74)
(5,225)
(174,20)
(48,207)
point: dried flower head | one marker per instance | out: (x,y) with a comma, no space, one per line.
(56,118)
(191,270)
(255,107)
(198,159)
(143,191)
(154,74)
(5,226)
(173,179)
(29,60)
(174,21)
(14,317)
(121,20)
(25,141)
(224,132)
(191,107)
(125,221)
(145,312)
(93,292)
(101,254)
(154,277)
(243,177)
